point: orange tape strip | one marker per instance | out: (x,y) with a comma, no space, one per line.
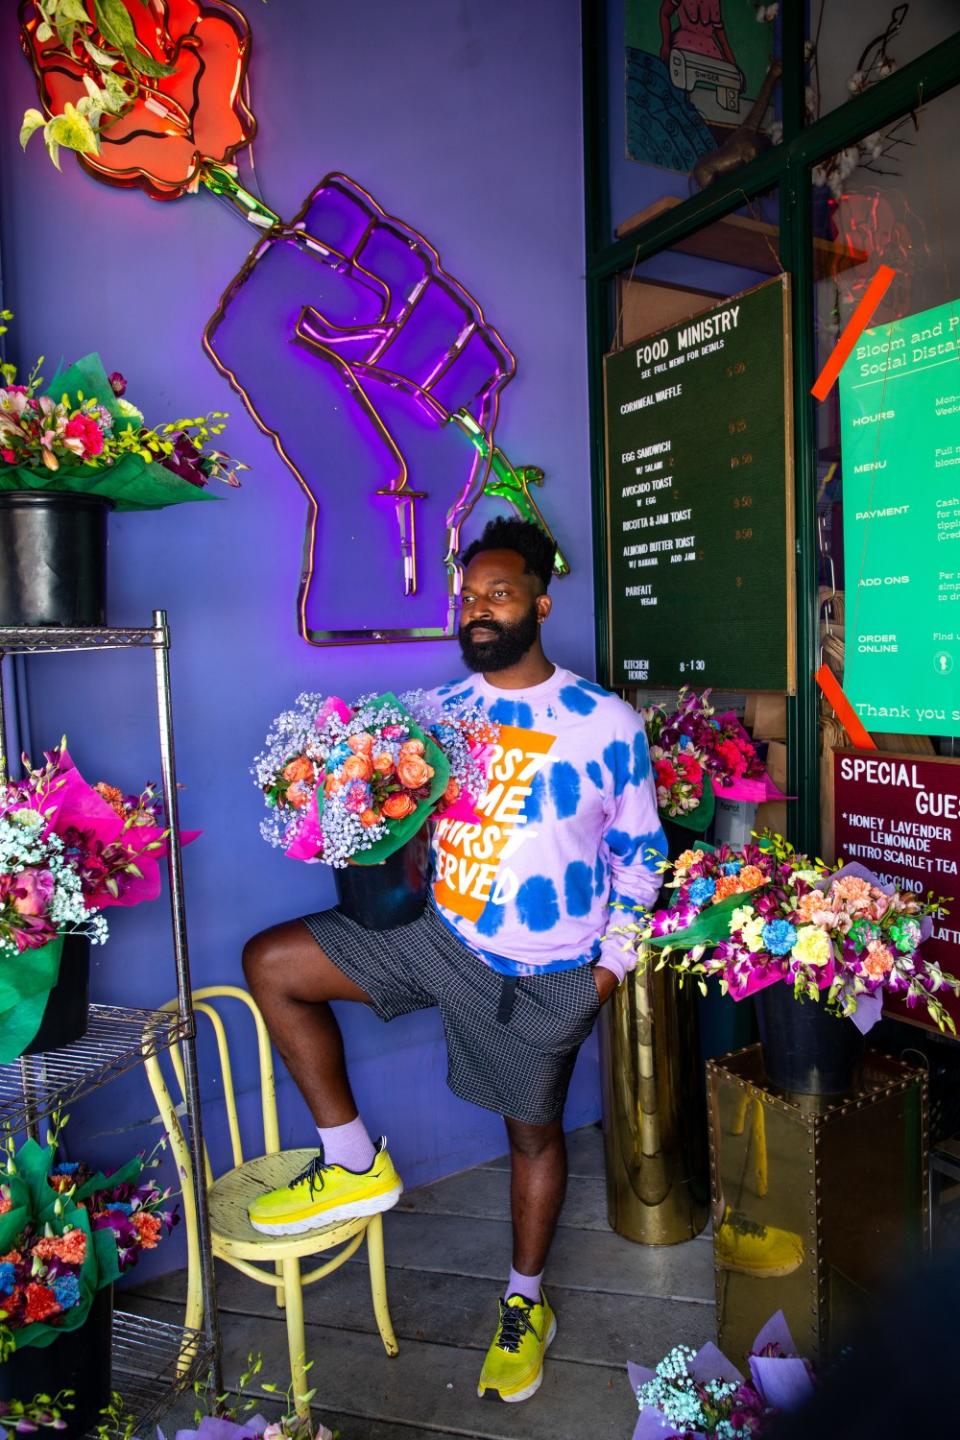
(857,323)
(846,714)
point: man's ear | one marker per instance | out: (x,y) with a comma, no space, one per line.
(544,605)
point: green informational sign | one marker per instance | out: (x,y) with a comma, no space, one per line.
(699,509)
(900,439)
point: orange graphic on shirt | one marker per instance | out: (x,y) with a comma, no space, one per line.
(470,858)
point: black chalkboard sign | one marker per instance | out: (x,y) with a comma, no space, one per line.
(700,500)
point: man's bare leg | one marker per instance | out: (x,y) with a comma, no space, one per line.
(538,1184)
(293,981)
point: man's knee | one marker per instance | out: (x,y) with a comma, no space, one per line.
(263,960)
(531,1141)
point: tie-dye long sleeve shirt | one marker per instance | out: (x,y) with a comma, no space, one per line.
(566,826)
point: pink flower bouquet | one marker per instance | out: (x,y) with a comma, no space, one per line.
(763,915)
(698,755)
(114,842)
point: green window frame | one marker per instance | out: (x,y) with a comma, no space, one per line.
(787,166)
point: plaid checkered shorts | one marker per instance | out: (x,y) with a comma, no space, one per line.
(511,1044)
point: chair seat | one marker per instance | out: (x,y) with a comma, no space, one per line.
(231,1231)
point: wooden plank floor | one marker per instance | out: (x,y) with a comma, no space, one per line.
(448,1252)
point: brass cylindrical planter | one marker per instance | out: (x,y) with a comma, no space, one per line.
(654,1111)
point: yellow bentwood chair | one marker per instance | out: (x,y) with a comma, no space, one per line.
(234,1238)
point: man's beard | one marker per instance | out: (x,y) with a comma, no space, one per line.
(506,646)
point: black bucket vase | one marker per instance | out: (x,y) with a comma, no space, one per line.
(806,1049)
(680,837)
(53,558)
(381,897)
(78,1360)
(68,1007)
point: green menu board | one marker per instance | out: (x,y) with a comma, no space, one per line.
(900,440)
(699,500)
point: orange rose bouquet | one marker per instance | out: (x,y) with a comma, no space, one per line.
(352,783)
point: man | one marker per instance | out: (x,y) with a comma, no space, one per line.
(513,947)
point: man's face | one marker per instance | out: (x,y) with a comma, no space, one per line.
(501,610)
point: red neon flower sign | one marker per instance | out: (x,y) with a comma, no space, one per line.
(177,122)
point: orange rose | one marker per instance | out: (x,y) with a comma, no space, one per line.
(332,784)
(452,791)
(298,796)
(361,744)
(368,818)
(413,747)
(413,771)
(357,767)
(383,764)
(299,769)
(399,806)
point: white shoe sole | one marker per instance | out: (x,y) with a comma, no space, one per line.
(353,1211)
(534,1385)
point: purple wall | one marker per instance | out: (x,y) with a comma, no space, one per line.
(463,119)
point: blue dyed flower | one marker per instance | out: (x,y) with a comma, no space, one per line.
(732,867)
(67,1290)
(779,937)
(120,1205)
(337,755)
(66,1167)
(7,1277)
(702,889)
(685,742)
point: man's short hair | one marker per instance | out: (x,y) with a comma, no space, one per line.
(531,543)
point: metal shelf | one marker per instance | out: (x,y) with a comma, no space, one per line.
(146,1364)
(56,639)
(34,1085)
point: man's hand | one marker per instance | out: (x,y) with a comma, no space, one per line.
(605,981)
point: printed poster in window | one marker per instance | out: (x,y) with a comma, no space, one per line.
(695,71)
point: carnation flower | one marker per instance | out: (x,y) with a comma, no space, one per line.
(812,946)
(702,889)
(878,960)
(83,436)
(779,937)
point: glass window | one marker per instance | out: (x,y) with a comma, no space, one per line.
(855,43)
(888,434)
(693,94)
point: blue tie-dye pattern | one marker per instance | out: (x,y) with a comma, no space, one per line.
(595,773)
(491,918)
(564,788)
(641,758)
(628,847)
(599,876)
(616,757)
(577,888)
(533,805)
(572,698)
(512,712)
(592,688)
(537,904)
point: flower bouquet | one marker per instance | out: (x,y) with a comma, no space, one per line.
(699,756)
(352,783)
(700,1395)
(68,850)
(62,1245)
(80,435)
(763,915)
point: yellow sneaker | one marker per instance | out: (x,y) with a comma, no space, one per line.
(513,1368)
(754,1249)
(323,1193)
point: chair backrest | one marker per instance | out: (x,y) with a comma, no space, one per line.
(170,1111)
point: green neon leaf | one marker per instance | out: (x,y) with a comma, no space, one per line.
(32,121)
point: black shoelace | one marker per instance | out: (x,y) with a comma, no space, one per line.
(312,1175)
(514,1323)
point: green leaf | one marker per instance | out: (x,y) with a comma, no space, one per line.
(74,131)
(33,120)
(44,33)
(102,57)
(116,27)
(74,10)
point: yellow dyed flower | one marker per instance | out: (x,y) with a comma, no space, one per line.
(812,946)
(741,916)
(752,934)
